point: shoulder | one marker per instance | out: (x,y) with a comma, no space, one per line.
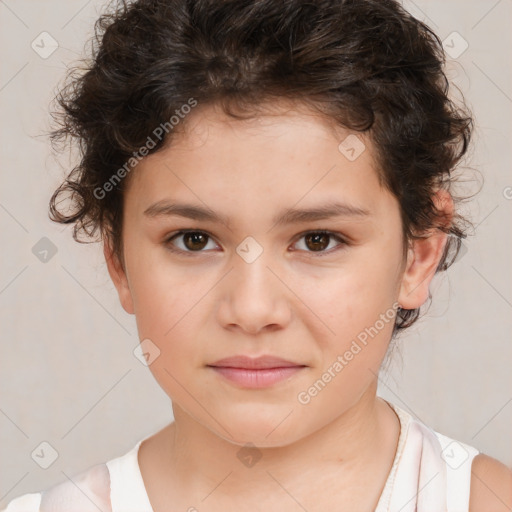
(25,503)
(491,485)
(87,491)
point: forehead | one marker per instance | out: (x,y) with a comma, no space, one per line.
(289,120)
(281,157)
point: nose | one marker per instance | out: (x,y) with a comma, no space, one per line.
(254,298)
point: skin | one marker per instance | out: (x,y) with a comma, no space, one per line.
(209,304)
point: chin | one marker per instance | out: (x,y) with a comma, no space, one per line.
(264,434)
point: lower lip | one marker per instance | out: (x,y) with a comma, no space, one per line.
(257,378)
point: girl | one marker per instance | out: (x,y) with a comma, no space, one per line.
(271,182)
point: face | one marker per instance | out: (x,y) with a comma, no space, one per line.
(260,281)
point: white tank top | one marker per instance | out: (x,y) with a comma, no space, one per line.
(430,471)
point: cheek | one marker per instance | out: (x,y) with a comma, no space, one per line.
(167,313)
(358,307)
(356,303)
(354,295)
(162,293)
(169,303)
(169,318)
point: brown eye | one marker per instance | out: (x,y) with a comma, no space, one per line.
(317,241)
(195,241)
(190,242)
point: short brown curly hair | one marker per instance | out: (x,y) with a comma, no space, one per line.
(368,65)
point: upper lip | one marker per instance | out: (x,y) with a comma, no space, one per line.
(254,363)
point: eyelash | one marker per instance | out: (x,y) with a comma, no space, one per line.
(319,254)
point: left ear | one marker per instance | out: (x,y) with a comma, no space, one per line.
(423,257)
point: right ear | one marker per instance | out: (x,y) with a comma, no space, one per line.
(118,276)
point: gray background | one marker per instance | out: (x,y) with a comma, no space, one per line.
(68,373)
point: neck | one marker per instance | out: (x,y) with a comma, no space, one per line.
(357,444)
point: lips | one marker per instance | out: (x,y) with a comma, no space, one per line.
(255,363)
(256,373)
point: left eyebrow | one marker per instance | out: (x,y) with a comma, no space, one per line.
(287,216)
(327,211)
